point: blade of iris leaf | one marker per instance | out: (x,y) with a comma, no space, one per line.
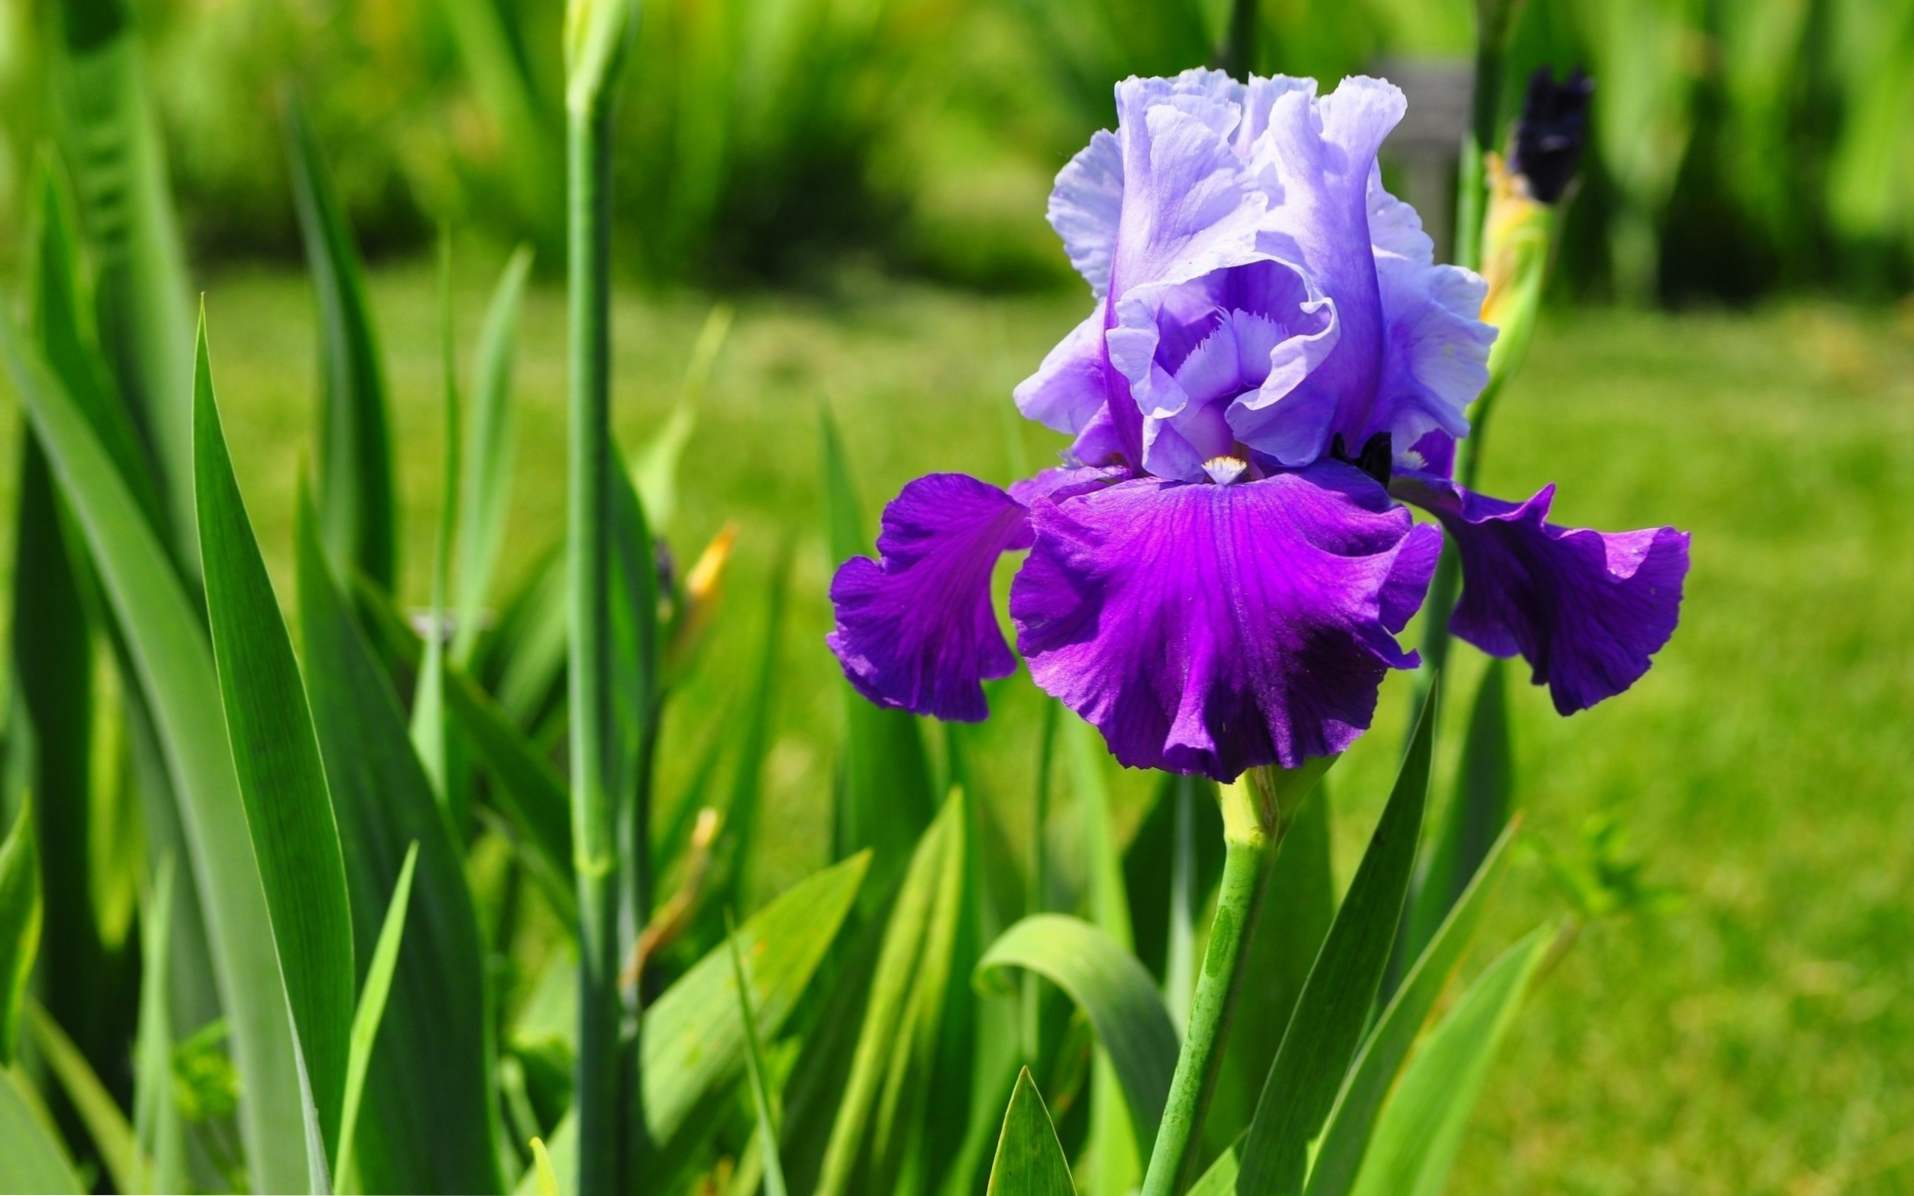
(925,1085)
(366,1019)
(1327,1024)
(485,488)
(761,1098)
(883,797)
(31,1157)
(276,756)
(1114,991)
(430,730)
(156,1119)
(1116,1148)
(119,173)
(111,1133)
(694,1037)
(1345,1136)
(63,320)
(484,34)
(428,1124)
(654,467)
(1420,1129)
(355,486)
(1029,1158)
(52,638)
(166,648)
(856,1156)
(20,921)
(528,792)
(753,744)
(1476,814)
(633,643)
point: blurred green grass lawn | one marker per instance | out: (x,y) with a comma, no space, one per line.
(1754,1038)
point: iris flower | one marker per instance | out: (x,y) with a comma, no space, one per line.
(1217,575)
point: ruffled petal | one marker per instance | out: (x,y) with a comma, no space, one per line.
(1585,609)
(1322,153)
(1209,629)
(1067,391)
(1084,206)
(1436,347)
(1188,206)
(915,629)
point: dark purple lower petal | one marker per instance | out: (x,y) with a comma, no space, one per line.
(1586,609)
(1209,629)
(915,629)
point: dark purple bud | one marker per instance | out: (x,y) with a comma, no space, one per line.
(1551,131)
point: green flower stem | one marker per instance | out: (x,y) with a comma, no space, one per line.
(1258,808)
(588,538)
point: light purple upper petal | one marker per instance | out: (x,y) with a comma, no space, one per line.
(1322,152)
(1067,391)
(1209,628)
(1436,347)
(1586,609)
(915,629)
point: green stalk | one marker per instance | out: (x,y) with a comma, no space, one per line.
(596,31)
(1258,808)
(588,580)
(1494,19)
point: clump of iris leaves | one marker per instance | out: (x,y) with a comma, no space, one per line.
(326,844)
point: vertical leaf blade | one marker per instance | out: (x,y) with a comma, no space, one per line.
(1346,1135)
(168,655)
(1421,1127)
(1029,1158)
(485,489)
(367,1018)
(428,1124)
(1326,1026)
(19,925)
(276,758)
(357,497)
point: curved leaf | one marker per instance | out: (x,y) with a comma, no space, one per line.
(1114,992)
(1029,1158)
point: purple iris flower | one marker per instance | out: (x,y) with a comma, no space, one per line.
(1217,576)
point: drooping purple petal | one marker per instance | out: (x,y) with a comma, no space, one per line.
(1210,628)
(1585,609)
(915,629)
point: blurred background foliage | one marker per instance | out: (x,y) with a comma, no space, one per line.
(1741,147)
